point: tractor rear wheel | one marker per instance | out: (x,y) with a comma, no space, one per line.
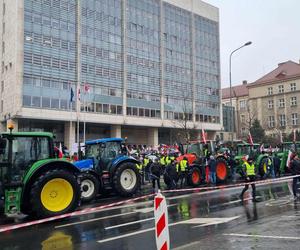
(54,193)
(221,170)
(89,187)
(194,177)
(126,179)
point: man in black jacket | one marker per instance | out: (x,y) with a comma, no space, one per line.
(295,167)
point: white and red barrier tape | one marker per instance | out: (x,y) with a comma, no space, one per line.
(99,208)
(161,222)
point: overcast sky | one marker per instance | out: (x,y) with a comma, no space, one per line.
(273,26)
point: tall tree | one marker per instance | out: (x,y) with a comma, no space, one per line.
(257,132)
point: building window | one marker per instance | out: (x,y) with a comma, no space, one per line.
(293,86)
(282,121)
(281,103)
(243,118)
(294,119)
(271,122)
(270,91)
(294,101)
(270,104)
(243,104)
(280,89)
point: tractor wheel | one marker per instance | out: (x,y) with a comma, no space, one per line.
(126,179)
(89,187)
(194,177)
(53,193)
(263,168)
(221,170)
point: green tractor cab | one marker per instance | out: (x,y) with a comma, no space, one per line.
(253,151)
(32,180)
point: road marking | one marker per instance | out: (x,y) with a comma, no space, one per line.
(188,246)
(264,236)
(128,223)
(91,220)
(153,228)
(210,221)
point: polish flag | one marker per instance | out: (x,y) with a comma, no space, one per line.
(250,139)
(294,135)
(87,88)
(289,158)
(203,136)
(78,94)
(281,138)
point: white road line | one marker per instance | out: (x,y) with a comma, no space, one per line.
(264,236)
(128,223)
(135,233)
(91,220)
(188,246)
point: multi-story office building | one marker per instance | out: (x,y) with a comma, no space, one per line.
(142,66)
(274,99)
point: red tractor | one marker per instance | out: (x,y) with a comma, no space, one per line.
(196,154)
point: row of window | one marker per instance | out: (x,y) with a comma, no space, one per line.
(49,62)
(60,4)
(45,102)
(200,105)
(142,96)
(48,41)
(282,120)
(140,79)
(146,63)
(63,84)
(293,87)
(281,102)
(143,46)
(177,70)
(101,35)
(50,22)
(137,28)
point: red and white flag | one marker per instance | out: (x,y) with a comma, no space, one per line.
(87,88)
(203,136)
(261,148)
(250,139)
(294,135)
(281,138)
(78,94)
(288,161)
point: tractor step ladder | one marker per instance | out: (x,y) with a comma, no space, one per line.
(13,200)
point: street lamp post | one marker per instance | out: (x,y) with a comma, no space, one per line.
(230,88)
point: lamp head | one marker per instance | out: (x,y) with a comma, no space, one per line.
(248,43)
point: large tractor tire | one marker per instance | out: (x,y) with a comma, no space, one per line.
(126,179)
(194,177)
(222,170)
(89,187)
(54,193)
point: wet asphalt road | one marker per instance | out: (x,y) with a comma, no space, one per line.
(206,220)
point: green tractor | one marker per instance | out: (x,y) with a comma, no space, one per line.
(33,180)
(283,153)
(260,159)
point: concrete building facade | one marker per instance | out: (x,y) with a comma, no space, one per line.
(275,99)
(139,66)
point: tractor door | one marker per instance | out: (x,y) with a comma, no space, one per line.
(108,152)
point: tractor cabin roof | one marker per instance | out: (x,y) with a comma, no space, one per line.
(104,140)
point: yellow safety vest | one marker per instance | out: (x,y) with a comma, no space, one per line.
(146,161)
(250,169)
(183,165)
(139,166)
(269,162)
(162,161)
(168,160)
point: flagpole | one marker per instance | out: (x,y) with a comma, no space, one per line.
(78,67)
(84,105)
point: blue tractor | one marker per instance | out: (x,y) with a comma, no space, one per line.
(106,168)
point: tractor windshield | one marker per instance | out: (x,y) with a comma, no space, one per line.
(25,151)
(103,154)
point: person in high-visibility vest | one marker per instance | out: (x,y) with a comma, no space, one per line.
(249,173)
(146,166)
(182,169)
(139,166)
(162,161)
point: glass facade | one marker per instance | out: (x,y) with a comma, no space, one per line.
(189,60)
